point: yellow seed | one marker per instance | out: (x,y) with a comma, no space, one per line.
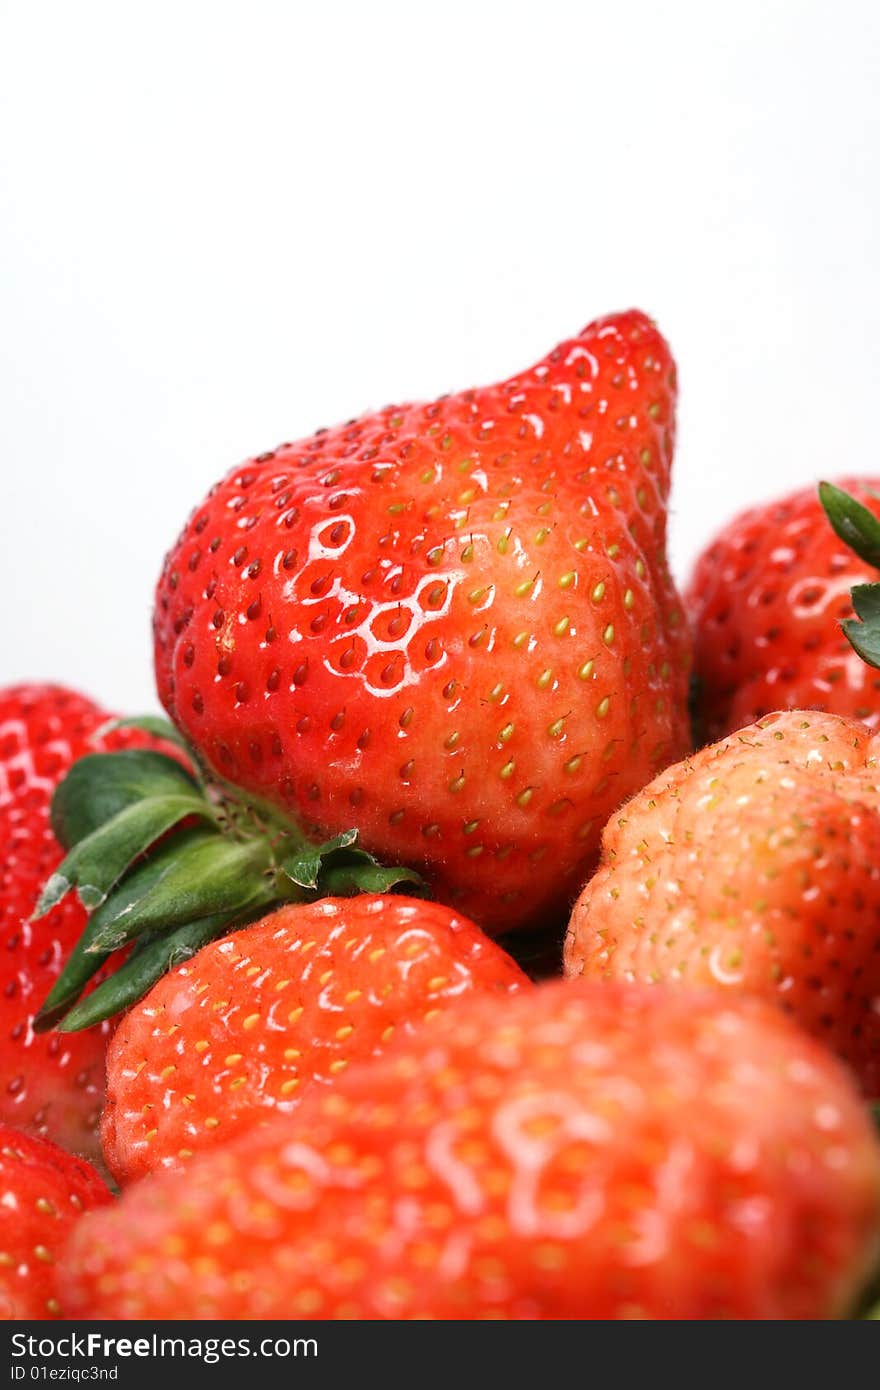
(524,588)
(291,1054)
(598,592)
(544,679)
(585,671)
(295,1014)
(603,707)
(43,1255)
(202,1045)
(457,783)
(289,1085)
(640,568)
(629,599)
(521,639)
(437,982)
(496,693)
(507,770)
(525,796)
(339,1065)
(352,995)
(565,581)
(212,1122)
(239,1081)
(325,977)
(506,733)
(470,827)
(561,628)
(250,1022)
(377,953)
(233,1059)
(541,536)
(344,1032)
(555,729)
(608,635)
(573,763)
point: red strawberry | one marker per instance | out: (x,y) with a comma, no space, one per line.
(254,1019)
(754,865)
(577,1152)
(449,625)
(766,599)
(43,1191)
(51,1085)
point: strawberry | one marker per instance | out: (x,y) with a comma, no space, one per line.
(254,1019)
(752,866)
(50,1085)
(527,1158)
(765,600)
(43,1192)
(450,626)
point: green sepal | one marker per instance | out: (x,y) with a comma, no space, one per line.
(100,785)
(856,526)
(79,968)
(864,635)
(152,958)
(149,724)
(193,874)
(355,871)
(303,867)
(97,863)
(339,869)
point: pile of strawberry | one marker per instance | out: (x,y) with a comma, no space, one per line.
(427,679)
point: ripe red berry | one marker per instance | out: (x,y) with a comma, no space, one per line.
(255,1020)
(451,626)
(581,1151)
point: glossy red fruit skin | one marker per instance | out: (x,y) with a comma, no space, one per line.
(765,600)
(43,1192)
(51,1084)
(252,1022)
(450,625)
(578,1152)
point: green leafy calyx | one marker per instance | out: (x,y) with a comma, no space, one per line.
(166,860)
(859,529)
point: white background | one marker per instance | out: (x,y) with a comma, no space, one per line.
(223,225)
